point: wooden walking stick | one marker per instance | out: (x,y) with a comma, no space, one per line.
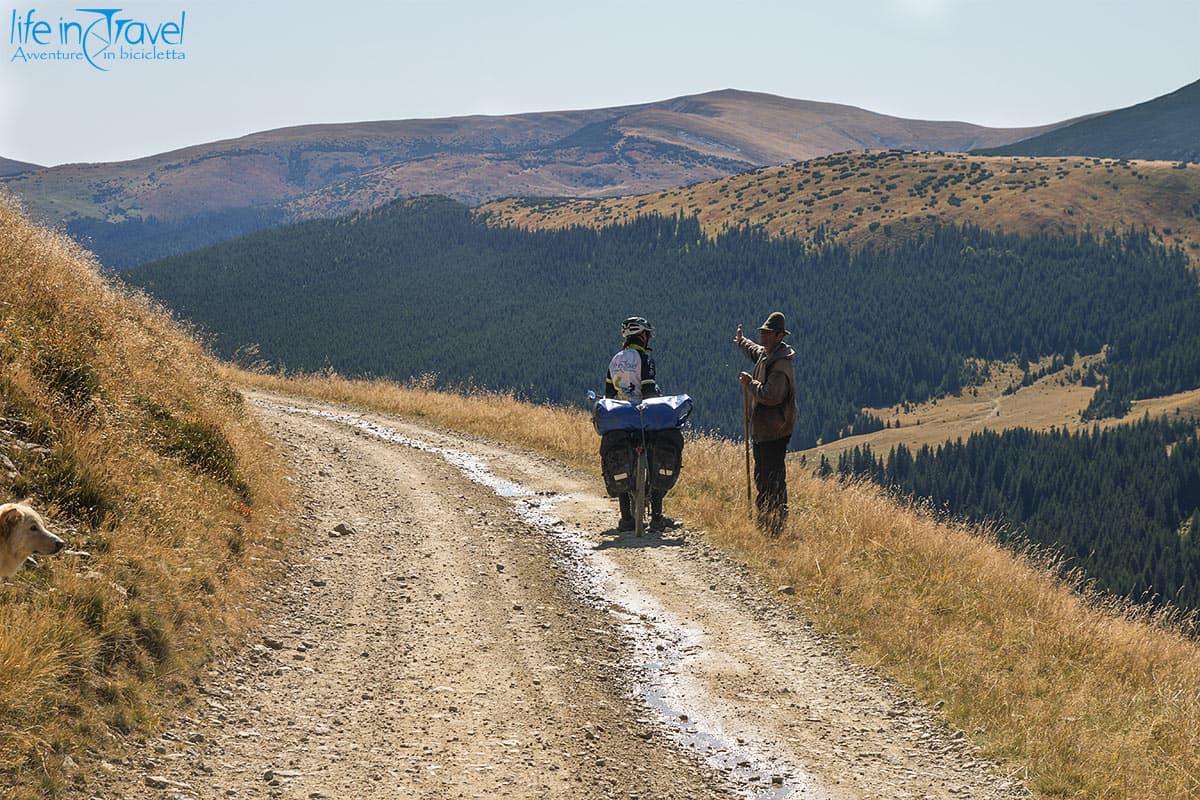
(746,427)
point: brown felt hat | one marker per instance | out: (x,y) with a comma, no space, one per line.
(775,323)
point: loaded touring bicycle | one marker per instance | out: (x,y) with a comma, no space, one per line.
(641,446)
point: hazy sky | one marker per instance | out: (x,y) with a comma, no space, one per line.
(251,66)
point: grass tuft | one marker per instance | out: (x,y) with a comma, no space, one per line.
(73,379)
(198,444)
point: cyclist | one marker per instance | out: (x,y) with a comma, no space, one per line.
(631,377)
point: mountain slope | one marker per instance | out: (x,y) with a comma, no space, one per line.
(672,143)
(1166,128)
(102,652)
(361,294)
(880,198)
(8,167)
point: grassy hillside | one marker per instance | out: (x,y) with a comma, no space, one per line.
(1086,697)
(1166,128)
(877,198)
(115,425)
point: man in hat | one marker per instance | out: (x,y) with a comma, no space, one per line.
(772,391)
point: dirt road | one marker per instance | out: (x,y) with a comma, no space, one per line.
(461,620)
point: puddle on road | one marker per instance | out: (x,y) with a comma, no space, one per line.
(666,651)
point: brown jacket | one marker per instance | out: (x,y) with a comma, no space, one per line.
(772,392)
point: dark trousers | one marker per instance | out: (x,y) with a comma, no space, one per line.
(626,501)
(770,479)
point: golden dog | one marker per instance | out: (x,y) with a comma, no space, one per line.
(22,533)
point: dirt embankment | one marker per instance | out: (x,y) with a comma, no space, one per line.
(462,620)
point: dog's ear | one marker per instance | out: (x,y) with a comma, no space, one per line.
(8,521)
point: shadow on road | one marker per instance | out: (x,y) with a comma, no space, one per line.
(626,539)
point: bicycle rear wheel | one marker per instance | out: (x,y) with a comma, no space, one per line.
(641,478)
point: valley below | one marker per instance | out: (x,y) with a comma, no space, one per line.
(461,619)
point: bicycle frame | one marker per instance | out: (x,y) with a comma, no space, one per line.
(641,477)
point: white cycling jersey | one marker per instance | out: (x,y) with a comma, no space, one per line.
(626,373)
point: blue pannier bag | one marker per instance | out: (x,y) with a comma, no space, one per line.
(659,414)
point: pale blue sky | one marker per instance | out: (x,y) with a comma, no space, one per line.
(252,66)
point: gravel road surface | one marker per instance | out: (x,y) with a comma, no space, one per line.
(461,620)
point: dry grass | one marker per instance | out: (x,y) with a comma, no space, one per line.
(1086,697)
(878,198)
(1053,401)
(123,434)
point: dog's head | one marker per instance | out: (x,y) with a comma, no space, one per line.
(23,532)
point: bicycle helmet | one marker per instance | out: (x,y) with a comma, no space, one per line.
(635,325)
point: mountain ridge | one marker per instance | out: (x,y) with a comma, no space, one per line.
(286,165)
(133,212)
(1164,128)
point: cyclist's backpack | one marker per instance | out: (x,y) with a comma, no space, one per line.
(666,458)
(617,460)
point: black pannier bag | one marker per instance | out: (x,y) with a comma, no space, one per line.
(617,460)
(665,454)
